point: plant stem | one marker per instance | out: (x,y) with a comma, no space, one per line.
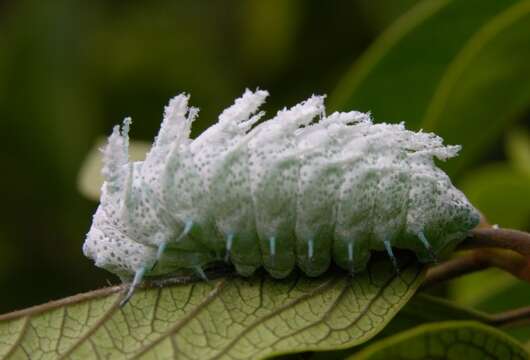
(518,241)
(514,317)
(505,249)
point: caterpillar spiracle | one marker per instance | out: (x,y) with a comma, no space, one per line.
(301,189)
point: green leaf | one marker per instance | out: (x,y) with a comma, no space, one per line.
(470,290)
(227,318)
(518,150)
(269,47)
(504,292)
(501,193)
(458,68)
(423,308)
(380,15)
(90,179)
(446,340)
(426,308)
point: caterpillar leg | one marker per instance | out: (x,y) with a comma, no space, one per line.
(162,247)
(278,256)
(351,251)
(200,273)
(428,246)
(138,276)
(229,243)
(310,249)
(244,254)
(160,251)
(388,248)
(313,254)
(350,258)
(187,229)
(272,249)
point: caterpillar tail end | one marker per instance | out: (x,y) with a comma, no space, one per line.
(138,276)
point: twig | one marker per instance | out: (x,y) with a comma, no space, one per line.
(459,266)
(518,241)
(505,249)
(433,308)
(486,247)
(514,317)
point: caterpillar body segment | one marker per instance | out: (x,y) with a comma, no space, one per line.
(302,189)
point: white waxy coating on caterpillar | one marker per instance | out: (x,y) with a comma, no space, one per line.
(302,189)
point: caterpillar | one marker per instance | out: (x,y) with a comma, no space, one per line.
(301,189)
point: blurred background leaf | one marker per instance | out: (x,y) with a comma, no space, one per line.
(501,192)
(492,291)
(448,67)
(423,309)
(446,340)
(518,150)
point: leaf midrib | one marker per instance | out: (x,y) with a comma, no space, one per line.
(259,321)
(86,336)
(324,316)
(219,287)
(365,311)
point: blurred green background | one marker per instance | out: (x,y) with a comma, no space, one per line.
(70,70)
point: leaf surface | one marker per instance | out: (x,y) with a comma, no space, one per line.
(229,318)
(501,192)
(518,149)
(457,68)
(426,309)
(446,340)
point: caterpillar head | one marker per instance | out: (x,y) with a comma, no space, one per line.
(124,214)
(111,249)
